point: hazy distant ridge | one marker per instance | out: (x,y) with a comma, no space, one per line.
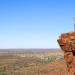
(31,50)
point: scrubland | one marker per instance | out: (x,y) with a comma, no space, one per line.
(32,63)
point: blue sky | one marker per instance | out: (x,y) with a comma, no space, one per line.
(34,23)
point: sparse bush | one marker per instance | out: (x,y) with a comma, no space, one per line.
(2,70)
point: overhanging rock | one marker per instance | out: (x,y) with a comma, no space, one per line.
(67,44)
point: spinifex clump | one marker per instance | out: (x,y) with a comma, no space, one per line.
(67,44)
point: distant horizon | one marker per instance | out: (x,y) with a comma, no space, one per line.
(30,48)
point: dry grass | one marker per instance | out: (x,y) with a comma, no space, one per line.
(32,63)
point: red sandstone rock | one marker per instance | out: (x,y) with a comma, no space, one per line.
(67,44)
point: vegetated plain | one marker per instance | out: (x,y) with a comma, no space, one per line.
(32,62)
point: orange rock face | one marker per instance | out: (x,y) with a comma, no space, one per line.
(67,44)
